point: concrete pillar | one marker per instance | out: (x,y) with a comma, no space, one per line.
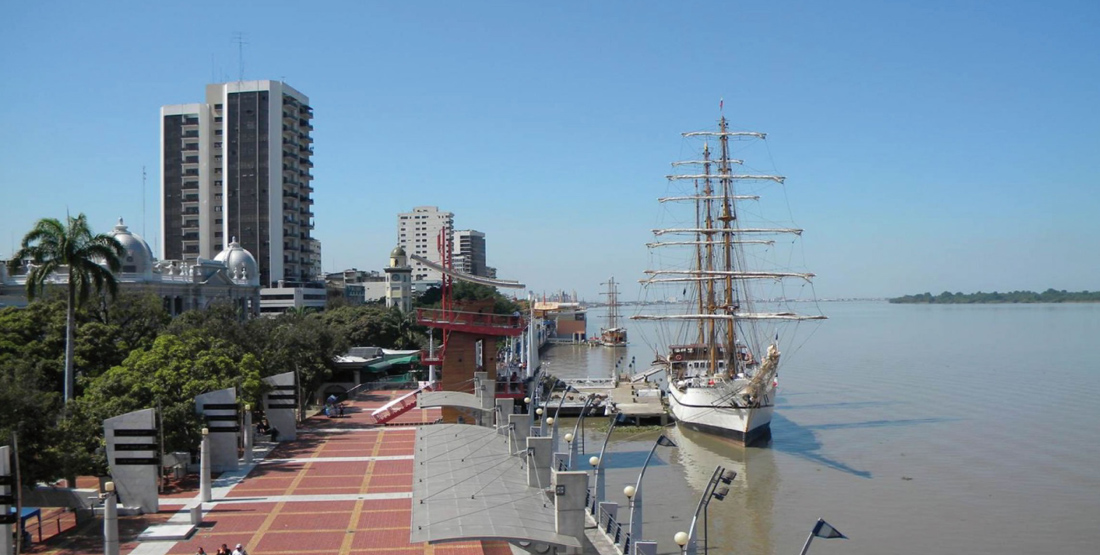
(609,508)
(110,521)
(560,460)
(505,408)
(570,491)
(220,410)
(538,462)
(280,405)
(6,545)
(204,467)
(132,457)
(248,431)
(517,437)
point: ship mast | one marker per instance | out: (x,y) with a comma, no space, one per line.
(709,230)
(728,216)
(612,304)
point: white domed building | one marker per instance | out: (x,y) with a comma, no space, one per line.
(232,276)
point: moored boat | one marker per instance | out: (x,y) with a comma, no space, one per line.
(722,373)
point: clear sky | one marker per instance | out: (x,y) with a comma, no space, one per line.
(928,145)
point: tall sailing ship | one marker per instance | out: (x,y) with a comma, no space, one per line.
(722,362)
(613,335)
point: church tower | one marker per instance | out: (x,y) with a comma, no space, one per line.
(399,281)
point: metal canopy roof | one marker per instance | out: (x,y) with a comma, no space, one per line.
(466,486)
(457,399)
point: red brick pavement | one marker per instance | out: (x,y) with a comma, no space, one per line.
(281,527)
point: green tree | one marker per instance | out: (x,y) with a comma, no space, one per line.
(51,246)
(170,375)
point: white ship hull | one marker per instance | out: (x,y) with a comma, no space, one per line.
(710,410)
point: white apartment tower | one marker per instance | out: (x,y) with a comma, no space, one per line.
(237,167)
(418,233)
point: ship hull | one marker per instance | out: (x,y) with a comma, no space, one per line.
(708,410)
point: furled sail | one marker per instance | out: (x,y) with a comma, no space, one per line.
(725,134)
(735,242)
(710,197)
(776,178)
(690,162)
(730,230)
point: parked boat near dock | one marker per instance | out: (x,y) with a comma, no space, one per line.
(723,365)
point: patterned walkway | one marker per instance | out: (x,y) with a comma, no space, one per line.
(343,487)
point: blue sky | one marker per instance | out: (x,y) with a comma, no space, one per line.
(928,145)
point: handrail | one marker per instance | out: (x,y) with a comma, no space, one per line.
(400,400)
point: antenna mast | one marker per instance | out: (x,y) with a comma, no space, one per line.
(142,202)
(238,37)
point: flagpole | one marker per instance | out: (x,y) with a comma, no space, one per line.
(806,547)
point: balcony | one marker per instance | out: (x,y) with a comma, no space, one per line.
(189,185)
(305,162)
(305,138)
(471,322)
(192,134)
(289,118)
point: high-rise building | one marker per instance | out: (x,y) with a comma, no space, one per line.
(469,253)
(418,233)
(237,166)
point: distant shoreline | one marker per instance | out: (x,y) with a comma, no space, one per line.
(1014,297)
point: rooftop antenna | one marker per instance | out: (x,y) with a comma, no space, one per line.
(239,38)
(143,202)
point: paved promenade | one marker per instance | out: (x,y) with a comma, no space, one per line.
(343,487)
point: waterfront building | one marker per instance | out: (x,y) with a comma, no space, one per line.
(285,296)
(238,165)
(399,281)
(357,286)
(232,276)
(469,254)
(569,317)
(418,233)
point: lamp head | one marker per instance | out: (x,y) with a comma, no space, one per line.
(728,476)
(629,491)
(526,399)
(681,538)
(538,411)
(594,461)
(109,487)
(569,438)
(206,431)
(721,492)
(549,420)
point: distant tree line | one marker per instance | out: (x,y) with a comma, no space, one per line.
(1048,296)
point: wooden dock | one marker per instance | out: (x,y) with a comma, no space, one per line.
(641,402)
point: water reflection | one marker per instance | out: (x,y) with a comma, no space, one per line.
(742,522)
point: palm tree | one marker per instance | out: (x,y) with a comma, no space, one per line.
(49,246)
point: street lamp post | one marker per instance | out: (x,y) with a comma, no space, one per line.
(597,470)
(717,488)
(635,492)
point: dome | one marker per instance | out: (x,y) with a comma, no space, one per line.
(240,262)
(397,251)
(138,258)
